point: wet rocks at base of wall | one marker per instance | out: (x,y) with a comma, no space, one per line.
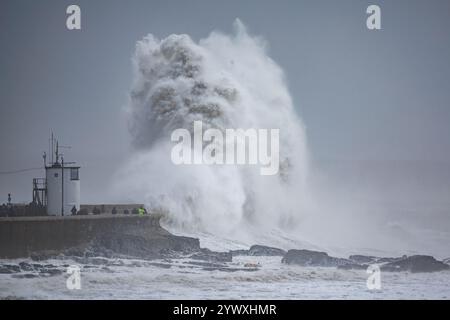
(417,263)
(138,246)
(212,256)
(30,270)
(9,268)
(239,252)
(309,258)
(259,250)
(353,266)
(358,258)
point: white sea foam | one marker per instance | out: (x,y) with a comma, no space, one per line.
(273,280)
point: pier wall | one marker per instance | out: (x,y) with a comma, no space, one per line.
(22,236)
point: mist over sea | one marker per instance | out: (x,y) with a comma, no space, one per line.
(230,81)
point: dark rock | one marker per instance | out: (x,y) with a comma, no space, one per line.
(98,261)
(206,264)
(13,298)
(212,256)
(353,266)
(258,250)
(161,265)
(363,259)
(25,276)
(306,258)
(228,269)
(240,252)
(312,258)
(446,261)
(144,246)
(26,266)
(389,259)
(50,272)
(9,268)
(417,263)
(4,270)
(88,253)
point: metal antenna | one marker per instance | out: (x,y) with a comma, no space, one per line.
(62,185)
(52,147)
(57,152)
(49,147)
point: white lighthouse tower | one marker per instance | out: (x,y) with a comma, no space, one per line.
(63,185)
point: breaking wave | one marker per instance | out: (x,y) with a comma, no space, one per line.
(226,81)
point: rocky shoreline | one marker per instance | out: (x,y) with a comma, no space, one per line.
(415,263)
(103,256)
(143,238)
(310,258)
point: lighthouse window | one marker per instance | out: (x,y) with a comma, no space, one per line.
(56,175)
(74,174)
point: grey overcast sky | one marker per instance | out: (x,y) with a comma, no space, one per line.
(364,96)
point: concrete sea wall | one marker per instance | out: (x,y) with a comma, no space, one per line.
(125,234)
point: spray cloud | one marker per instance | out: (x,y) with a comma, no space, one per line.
(225,81)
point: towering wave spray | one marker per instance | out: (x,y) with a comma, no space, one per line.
(226,81)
